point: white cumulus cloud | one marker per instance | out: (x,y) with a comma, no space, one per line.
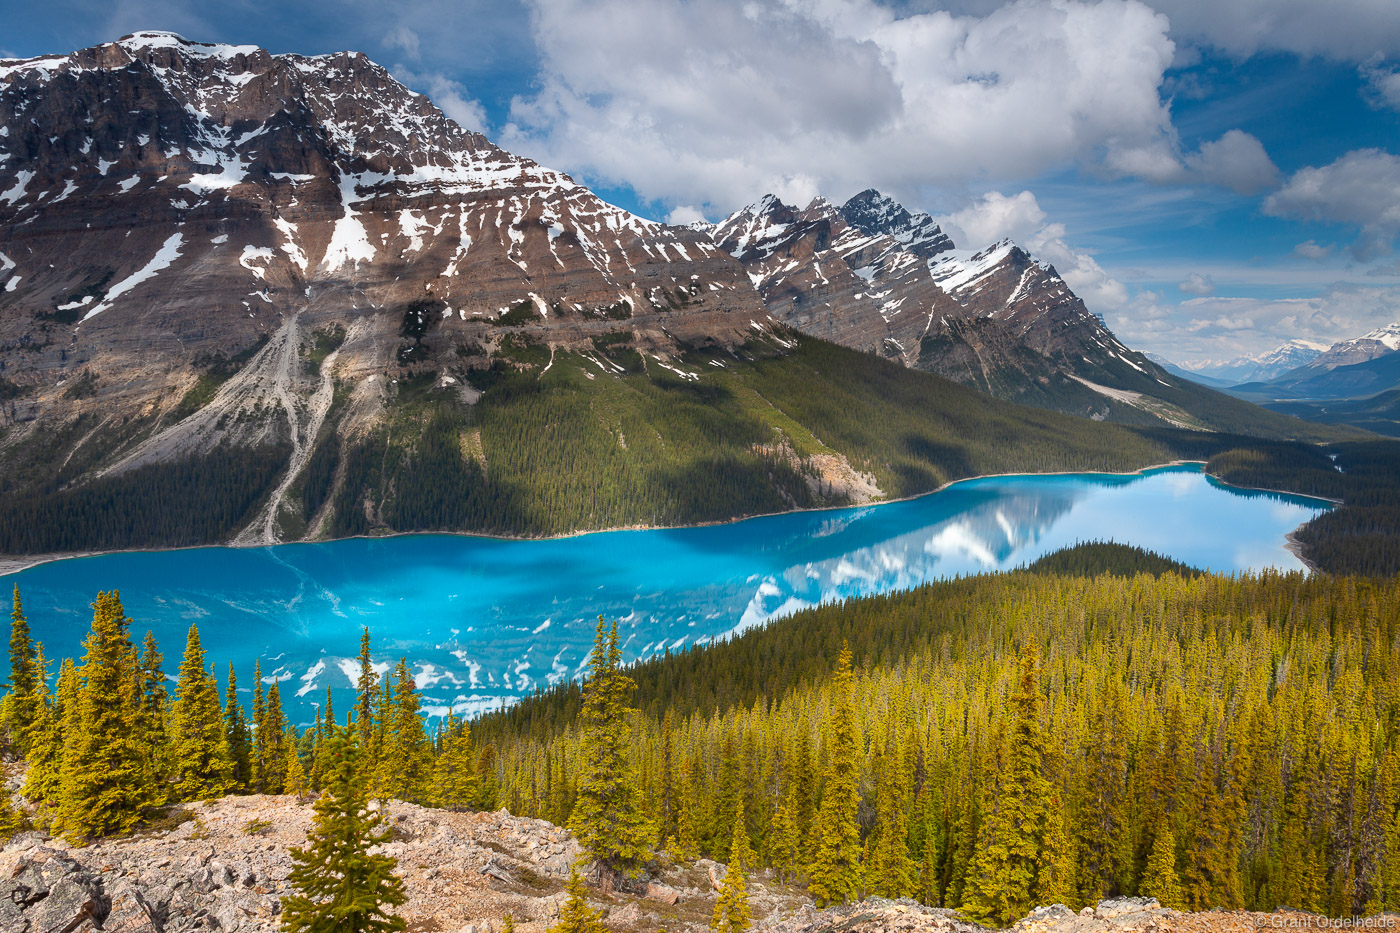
(995,216)
(1383,83)
(1236,161)
(1197,284)
(1362,189)
(714,104)
(450,96)
(1350,30)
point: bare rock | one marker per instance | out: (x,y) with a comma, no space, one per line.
(662,892)
(1121,906)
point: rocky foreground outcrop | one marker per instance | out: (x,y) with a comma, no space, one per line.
(224,866)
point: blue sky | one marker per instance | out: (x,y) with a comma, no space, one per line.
(1214,178)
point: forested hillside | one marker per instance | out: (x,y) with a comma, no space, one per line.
(1026,738)
(988,743)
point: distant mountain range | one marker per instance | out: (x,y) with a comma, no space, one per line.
(208,248)
(1349,382)
(1259,367)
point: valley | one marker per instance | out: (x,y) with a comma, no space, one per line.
(827,566)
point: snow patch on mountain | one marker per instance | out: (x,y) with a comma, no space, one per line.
(167,254)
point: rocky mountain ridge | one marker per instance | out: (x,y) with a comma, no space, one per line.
(873,276)
(211,251)
(1260,367)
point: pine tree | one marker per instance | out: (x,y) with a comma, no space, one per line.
(275,741)
(294,782)
(341,887)
(205,769)
(455,769)
(104,787)
(405,756)
(261,754)
(153,721)
(20,709)
(1003,876)
(1159,879)
(784,849)
(44,779)
(836,873)
(608,815)
(487,787)
(576,916)
(365,694)
(731,913)
(508,923)
(236,735)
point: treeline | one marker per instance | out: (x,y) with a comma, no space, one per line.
(108,746)
(1091,558)
(198,500)
(553,452)
(1363,535)
(987,743)
(1020,738)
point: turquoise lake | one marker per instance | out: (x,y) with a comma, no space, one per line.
(483,619)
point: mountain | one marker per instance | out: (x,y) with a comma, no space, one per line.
(1380,342)
(874,276)
(264,297)
(1349,369)
(1184,373)
(1261,367)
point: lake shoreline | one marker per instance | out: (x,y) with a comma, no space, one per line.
(13,564)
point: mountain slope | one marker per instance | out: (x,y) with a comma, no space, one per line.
(873,276)
(258,297)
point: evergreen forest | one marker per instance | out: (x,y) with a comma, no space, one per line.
(1105,725)
(563,442)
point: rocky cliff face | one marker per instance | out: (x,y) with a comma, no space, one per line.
(874,276)
(164,203)
(210,247)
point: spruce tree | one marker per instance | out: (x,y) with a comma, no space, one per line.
(1002,884)
(236,735)
(104,788)
(892,870)
(1054,883)
(261,754)
(153,721)
(294,781)
(405,756)
(1159,880)
(608,817)
(836,870)
(454,780)
(487,786)
(687,844)
(365,694)
(20,709)
(203,765)
(576,916)
(274,742)
(42,780)
(731,913)
(342,887)
(784,851)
